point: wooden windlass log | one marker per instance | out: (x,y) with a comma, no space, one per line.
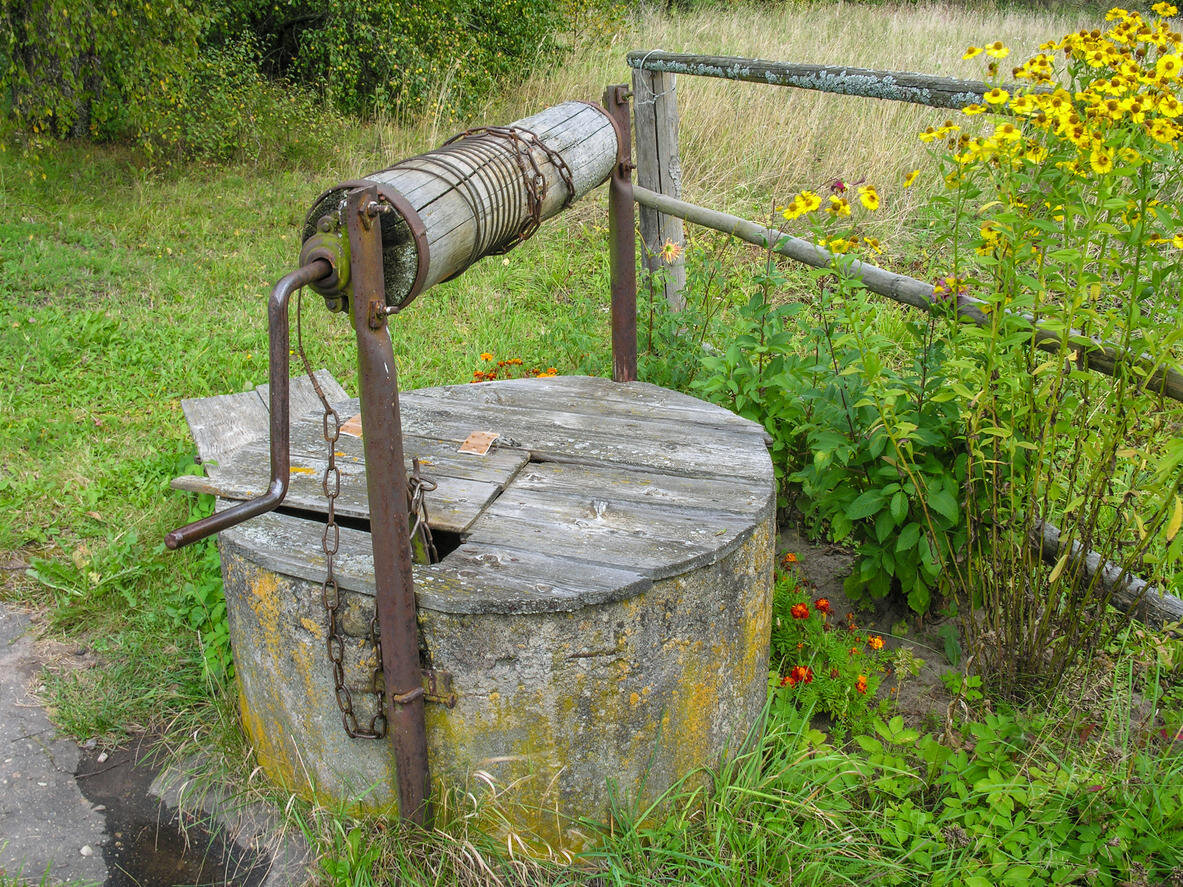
(479,194)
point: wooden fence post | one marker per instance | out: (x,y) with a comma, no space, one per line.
(655,113)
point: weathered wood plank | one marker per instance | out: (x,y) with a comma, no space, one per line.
(597,396)
(302,396)
(224,422)
(707,495)
(438,457)
(473,579)
(673,447)
(655,540)
(659,168)
(452,506)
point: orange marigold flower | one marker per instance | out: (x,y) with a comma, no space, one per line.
(789,558)
(875,642)
(788,681)
(802,674)
(485,355)
(854,651)
(799,611)
(861,683)
(822,604)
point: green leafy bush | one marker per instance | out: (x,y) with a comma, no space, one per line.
(865,438)
(1064,208)
(232,78)
(395,55)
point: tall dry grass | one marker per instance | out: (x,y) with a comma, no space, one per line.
(742,144)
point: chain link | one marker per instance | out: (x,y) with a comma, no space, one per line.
(523,142)
(330,591)
(422,544)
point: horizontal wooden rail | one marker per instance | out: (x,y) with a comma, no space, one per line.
(1100,356)
(899,86)
(1127,592)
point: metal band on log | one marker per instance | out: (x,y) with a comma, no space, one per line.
(480,194)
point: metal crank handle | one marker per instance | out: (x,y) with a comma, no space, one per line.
(277,323)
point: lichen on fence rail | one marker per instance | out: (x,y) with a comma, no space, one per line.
(900,86)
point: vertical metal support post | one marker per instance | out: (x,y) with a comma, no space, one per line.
(622,241)
(386,482)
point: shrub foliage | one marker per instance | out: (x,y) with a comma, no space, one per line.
(211,78)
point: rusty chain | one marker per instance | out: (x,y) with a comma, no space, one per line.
(330,591)
(417,485)
(523,142)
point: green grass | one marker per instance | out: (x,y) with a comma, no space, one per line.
(124,290)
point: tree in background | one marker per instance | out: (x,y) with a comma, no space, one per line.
(209,77)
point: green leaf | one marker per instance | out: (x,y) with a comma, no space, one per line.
(908,537)
(865,505)
(944,504)
(899,507)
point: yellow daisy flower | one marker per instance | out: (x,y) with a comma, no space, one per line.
(910,178)
(809,201)
(838,206)
(997,96)
(869,197)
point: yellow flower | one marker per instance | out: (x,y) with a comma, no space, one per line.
(997,50)
(928,135)
(1007,132)
(1168,67)
(1169,106)
(1163,131)
(1023,104)
(910,178)
(972,52)
(792,210)
(809,201)
(971,110)
(838,206)
(869,197)
(1101,160)
(1166,10)
(997,96)
(1177,240)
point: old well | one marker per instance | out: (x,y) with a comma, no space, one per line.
(596,630)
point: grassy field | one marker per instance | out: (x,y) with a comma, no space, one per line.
(123,290)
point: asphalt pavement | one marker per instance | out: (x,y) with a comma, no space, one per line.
(49,833)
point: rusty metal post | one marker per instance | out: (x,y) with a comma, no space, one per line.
(386,483)
(622,241)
